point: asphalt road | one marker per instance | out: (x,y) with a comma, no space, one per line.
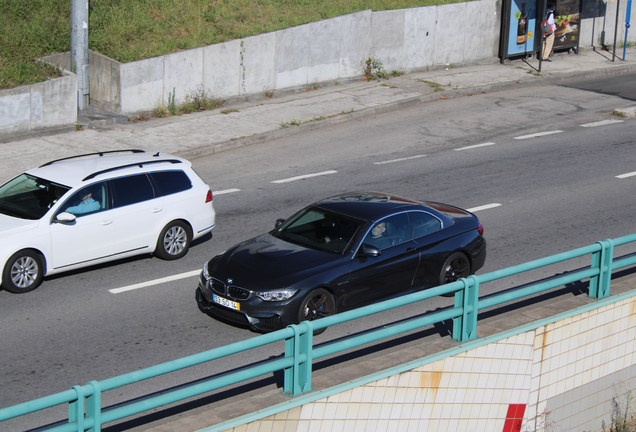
(619,85)
(542,163)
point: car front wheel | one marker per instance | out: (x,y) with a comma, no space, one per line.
(174,241)
(23,272)
(319,303)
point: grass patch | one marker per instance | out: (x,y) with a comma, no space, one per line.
(435,86)
(199,99)
(130,30)
(294,122)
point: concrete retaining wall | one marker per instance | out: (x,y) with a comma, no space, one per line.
(45,105)
(323,51)
(560,375)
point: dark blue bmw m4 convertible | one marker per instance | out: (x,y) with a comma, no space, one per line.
(338,254)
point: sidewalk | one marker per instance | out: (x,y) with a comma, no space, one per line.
(260,120)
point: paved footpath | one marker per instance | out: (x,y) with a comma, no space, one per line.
(262,119)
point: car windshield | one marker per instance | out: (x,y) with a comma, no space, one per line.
(319,229)
(29,197)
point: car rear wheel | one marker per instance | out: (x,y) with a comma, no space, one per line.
(174,241)
(456,266)
(319,303)
(23,272)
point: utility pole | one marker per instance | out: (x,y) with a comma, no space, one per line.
(79,50)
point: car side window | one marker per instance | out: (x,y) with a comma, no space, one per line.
(388,232)
(170,182)
(88,200)
(131,190)
(423,224)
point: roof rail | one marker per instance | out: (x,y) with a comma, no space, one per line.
(139,164)
(93,154)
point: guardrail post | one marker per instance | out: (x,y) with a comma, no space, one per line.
(465,326)
(76,409)
(94,406)
(600,285)
(298,377)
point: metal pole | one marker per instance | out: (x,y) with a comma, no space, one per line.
(627,18)
(79,50)
(618,8)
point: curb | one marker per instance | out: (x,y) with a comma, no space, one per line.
(625,112)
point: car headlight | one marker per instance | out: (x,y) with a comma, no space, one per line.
(206,273)
(276,295)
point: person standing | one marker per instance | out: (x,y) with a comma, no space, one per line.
(548,41)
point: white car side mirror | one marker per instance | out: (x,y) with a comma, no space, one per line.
(65,217)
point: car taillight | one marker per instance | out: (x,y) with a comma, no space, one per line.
(208,197)
(480,229)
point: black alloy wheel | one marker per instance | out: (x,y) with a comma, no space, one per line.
(319,303)
(456,267)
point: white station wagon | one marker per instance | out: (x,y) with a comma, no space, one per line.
(89,209)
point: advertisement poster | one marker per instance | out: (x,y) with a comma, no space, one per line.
(567,18)
(521,35)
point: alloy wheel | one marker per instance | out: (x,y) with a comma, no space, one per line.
(457,268)
(175,240)
(24,271)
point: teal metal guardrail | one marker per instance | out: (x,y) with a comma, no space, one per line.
(84,402)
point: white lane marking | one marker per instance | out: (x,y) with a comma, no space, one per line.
(601,123)
(291,179)
(226,191)
(484,207)
(475,146)
(622,176)
(538,134)
(398,160)
(155,282)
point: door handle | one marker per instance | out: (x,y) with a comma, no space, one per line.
(156,210)
(106,222)
(410,249)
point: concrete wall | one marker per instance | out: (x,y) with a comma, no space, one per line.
(104,86)
(322,51)
(591,28)
(45,105)
(560,375)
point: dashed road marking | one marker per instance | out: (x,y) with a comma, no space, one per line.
(398,160)
(484,207)
(226,191)
(291,179)
(622,176)
(538,134)
(601,123)
(155,282)
(475,146)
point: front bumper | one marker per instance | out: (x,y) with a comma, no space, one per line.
(256,313)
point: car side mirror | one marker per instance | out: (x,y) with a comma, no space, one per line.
(368,250)
(65,217)
(279,222)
